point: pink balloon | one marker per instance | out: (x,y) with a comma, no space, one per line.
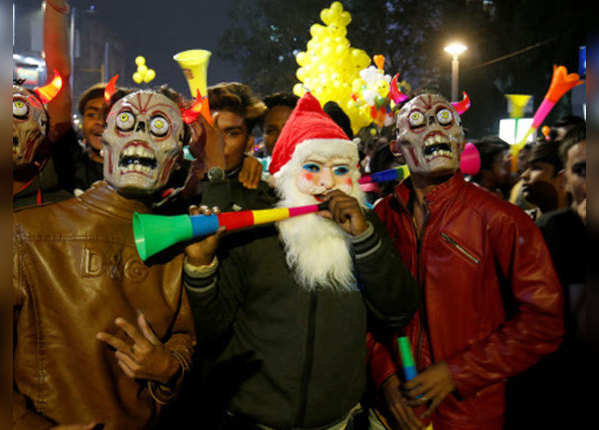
(470,160)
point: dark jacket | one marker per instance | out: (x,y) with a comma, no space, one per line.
(294,358)
(491,300)
(75,270)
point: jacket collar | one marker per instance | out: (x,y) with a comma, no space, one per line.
(437,196)
(104,198)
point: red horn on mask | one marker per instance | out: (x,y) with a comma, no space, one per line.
(199,107)
(462,106)
(110,89)
(396,95)
(49,91)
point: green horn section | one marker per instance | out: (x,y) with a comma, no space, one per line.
(153,233)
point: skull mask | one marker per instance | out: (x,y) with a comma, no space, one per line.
(142,142)
(429,135)
(29,125)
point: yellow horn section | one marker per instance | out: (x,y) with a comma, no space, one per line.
(194,64)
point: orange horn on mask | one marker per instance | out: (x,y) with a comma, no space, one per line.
(200,107)
(110,89)
(462,106)
(51,90)
(396,95)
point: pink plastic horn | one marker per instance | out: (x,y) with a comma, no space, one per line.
(110,89)
(396,95)
(462,106)
(51,90)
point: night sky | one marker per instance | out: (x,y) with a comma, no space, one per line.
(159,29)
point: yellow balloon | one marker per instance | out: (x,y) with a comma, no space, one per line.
(326,16)
(345,18)
(301,74)
(316,30)
(382,88)
(298,90)
(139,60)
(336,7)
(142,70)
(302,58)
(150,75)
(313,45)
(137,78)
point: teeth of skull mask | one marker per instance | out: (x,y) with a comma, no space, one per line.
(29,123)
(429,135)
(142,141)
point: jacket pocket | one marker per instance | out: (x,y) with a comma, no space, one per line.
(461,249)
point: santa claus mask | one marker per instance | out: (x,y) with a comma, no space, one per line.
(317,249)
(29,125)
(429,135)
(142,142)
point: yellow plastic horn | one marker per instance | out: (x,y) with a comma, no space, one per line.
(517,104)
(194,64)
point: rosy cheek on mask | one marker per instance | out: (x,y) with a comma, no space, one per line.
(305,183)
(349,182)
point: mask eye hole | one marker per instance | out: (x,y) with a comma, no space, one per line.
(311,167)
(20,109)
(159,126)
(444,116)
(416,119)
(341,170)
(125,121)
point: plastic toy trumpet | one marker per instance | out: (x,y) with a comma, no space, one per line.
(407,359)
(154,233)
(399,173)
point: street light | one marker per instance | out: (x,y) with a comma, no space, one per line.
(455,49)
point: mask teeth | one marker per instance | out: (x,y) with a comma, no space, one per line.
(110,89)
(51,90)
(462,106)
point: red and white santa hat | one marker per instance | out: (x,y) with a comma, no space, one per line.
(310,131)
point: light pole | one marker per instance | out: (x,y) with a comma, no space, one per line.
(455,49)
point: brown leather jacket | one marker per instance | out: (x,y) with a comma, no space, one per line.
(75,270)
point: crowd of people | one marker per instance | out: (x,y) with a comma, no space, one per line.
(294,324)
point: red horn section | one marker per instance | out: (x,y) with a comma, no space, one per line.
(396,95)
(51,90)
(110,89)
(199,107)
(462,106)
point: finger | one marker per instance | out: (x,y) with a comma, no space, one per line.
(325,214)
(132,365)
(406,417)
(421,390)
(146,330)
(114,341)
(193,210)
(436,401)
(131,331)
(126,370)
(215,210)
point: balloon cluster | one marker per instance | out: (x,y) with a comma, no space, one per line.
(143,74)
(371,95)
(330,64)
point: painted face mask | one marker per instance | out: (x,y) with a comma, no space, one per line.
(142,142)
(29,125)
(429,135)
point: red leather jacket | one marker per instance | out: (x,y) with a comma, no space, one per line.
(491,300)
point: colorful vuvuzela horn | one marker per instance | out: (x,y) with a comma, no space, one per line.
(398,172)
(153,233)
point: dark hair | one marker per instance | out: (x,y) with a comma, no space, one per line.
(339,116)
(567,143)
(239,99)
(547,152)
(280,99)
(488,147)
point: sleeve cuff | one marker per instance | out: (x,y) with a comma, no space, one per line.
(200,277)
(366,243)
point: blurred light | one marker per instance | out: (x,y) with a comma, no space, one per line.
(513,130)
(455,48)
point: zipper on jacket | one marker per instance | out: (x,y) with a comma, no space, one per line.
(460,248)
(423,326)
(307,372)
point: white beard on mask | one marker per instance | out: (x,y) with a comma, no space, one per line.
(316,248)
